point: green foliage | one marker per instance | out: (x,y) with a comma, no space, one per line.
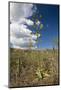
(37,34)
(37,27)
(41,16)
(41,26)
(36,20)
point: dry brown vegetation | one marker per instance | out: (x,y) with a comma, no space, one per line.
(33,68)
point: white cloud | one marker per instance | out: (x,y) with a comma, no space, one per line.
(18,10)
(25,21)
(38,22)
(20,34)
(19,30)
(21,42)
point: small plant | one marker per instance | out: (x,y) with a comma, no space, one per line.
(41,73)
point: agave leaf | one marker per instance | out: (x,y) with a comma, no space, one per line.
(39,74)
(46,74)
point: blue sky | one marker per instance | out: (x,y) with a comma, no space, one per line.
(50,19)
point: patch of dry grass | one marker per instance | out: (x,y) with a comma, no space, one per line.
(32,68)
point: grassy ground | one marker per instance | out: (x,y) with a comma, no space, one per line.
(33,68)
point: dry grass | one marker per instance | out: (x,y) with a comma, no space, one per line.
(33,68)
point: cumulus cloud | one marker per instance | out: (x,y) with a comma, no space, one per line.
(18,10)
(19,30)
(25,21)
(20,34)
(22,42)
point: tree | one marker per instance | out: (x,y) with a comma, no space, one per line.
(38,26)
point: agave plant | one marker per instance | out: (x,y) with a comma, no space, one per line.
(41,73)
